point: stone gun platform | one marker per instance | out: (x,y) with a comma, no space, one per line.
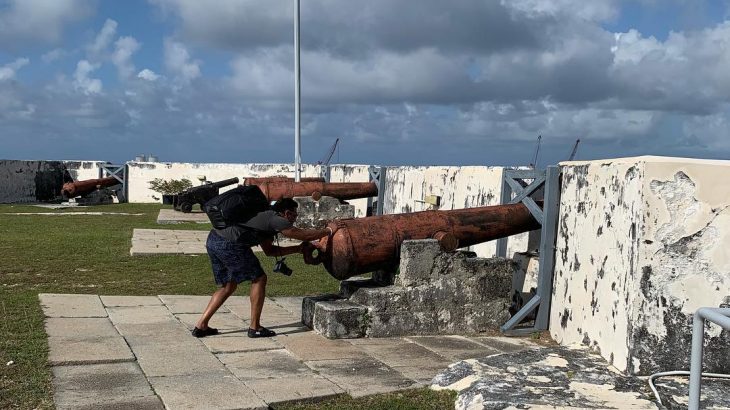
(434,292)
(178,242)
(171,216)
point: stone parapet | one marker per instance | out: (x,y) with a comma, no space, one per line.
(642,244)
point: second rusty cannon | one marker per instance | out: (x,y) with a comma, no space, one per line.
(200,194)
(364,245)
(85,187)
(276,188)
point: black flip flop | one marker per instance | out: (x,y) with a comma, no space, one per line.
(205,332)
(260,332)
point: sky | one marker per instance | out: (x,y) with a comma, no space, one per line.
(399,82)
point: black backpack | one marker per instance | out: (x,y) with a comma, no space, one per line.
(234,206)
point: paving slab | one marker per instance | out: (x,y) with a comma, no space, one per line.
(63,305)
(241,343)
(160,330)
(303,387)
(116,301)
(311,346)
(361,376)
(179,360)
(173,336)
(171,216)
(453,347)
(226,323)
(80,326)
(135,315)
(291,303)
(167,241)
(403,353)
(263,365)
(505,344)
(88,350)
(188,304)
(206,391)
(117,385)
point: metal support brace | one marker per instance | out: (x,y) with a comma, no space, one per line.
(514,182)
(119,172)
(377,175)
(718,316)
(326,172)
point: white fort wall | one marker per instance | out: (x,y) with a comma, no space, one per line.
(406,187)
(642,243)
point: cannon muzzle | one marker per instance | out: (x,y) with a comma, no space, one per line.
(81,188)
(367,244)
(225,182)
(277,188)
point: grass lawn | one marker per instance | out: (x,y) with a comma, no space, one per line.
(90,254)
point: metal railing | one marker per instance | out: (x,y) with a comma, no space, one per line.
(718,316)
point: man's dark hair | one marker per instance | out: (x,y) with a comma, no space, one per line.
(285,204)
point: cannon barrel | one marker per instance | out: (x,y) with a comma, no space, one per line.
(261,180)
(225,182)
(367,244)
(80,188)
(278,188)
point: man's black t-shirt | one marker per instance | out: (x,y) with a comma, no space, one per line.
(265,225)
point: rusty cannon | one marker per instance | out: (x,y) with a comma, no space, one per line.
(282,187)
(200,194)
(278,178)
(85,187)
(364,245)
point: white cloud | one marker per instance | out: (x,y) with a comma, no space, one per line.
(53,55)
(178,61)
(83,82)
(148,75)
(103,39)
(124,48)
(24,21)
(8,71)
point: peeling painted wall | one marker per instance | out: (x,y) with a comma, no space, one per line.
(642,243)
(33,181)
(141,173)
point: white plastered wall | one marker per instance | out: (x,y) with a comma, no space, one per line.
(641,245)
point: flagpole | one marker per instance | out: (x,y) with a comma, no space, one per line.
(297,99)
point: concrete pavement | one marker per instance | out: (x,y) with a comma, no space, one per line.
(137,351)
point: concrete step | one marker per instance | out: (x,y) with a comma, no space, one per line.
(334,317)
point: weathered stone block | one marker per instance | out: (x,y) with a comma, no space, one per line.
(642,244)
(316,214)
(340,319)
(308,306)
(350,286)
(417,262)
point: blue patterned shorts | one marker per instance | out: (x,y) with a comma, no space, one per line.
(232,261)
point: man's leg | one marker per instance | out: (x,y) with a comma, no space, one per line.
(257,295)
(218,298)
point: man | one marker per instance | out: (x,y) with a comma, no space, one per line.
(233,261)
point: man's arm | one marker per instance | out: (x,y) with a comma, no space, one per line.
(305,234)
(270,249)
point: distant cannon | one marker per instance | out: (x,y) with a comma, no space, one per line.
(368,244)
(185,200)
(82,188)
(276,188)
